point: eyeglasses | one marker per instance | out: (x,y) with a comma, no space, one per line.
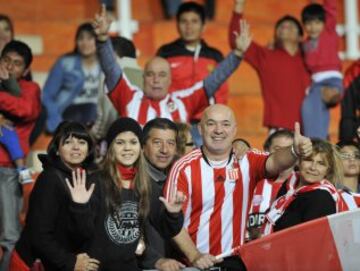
(350,156)
(189,144)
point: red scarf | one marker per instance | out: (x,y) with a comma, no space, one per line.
(127,173)
(279,206)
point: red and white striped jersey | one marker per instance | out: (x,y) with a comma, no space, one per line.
(264,195)
(180,105)
(350,200)
(218,198)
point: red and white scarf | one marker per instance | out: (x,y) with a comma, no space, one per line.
(279,206)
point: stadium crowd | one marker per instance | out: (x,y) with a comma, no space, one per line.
(144,170)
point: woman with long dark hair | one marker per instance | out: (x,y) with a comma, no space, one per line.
(71,89)
(127,202)
(49,233)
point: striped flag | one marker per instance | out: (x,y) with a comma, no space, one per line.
(328,243)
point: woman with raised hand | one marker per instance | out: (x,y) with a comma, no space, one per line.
(50,233)
(311,192)
(127,202)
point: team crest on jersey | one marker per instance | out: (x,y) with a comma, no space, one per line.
(171,106)
(233,173)
(123,226)
(256,151)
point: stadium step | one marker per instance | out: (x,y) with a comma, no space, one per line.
(50,29)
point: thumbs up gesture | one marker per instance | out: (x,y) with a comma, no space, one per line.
(302,145)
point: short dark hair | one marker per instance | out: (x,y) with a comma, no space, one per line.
(75,129)
(20,48)
(123,47)
(159,123)
(191,7)
(279,133)
(291,19)
(242,140)
(84,27)
(7,19)
(313,12)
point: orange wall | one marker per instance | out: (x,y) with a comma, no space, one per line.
(56,22)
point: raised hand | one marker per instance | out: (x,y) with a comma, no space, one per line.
(78,191)
(4,73)
(101,24)
(174,205)
(239,5)
(302,144)
(243,40)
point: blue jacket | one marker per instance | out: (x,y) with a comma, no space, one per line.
(64,83)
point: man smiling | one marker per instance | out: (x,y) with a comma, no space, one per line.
(155,101)
(219,188)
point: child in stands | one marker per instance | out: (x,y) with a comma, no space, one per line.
(321,58)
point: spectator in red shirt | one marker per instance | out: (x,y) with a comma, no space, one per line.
(23,112)
(281,70)
(322,60)
(191,58)
(155,101)
(219,188)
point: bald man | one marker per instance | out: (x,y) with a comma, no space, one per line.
(219,188)
(155,100)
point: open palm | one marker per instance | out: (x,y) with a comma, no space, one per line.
(175,203)
(101,24)
(243,39)
(78,191)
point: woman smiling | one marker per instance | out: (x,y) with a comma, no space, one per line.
(310,193)
(49,233)
(127,202)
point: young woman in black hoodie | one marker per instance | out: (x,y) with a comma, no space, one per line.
(127,202)
(50,233)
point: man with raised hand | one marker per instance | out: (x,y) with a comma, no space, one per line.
(281,70)
(219,189)
(155,100)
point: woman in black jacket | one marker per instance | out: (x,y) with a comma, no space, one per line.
(127,202)
(49,233)
(309,193)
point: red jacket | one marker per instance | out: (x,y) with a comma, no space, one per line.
(283,79)
(23,111)
(322,54)
(187,68)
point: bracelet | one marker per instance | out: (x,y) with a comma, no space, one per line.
(293,152)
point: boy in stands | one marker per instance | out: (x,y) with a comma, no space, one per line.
(321,59)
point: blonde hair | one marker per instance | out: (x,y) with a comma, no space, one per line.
(332,156)
(142,185)
(183,130)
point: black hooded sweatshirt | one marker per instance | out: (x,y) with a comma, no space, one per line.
(49,233)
